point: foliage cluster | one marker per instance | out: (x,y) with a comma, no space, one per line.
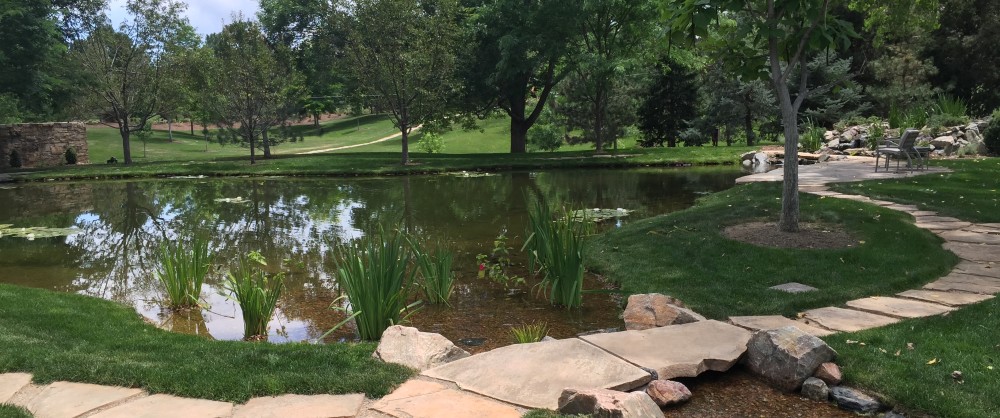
(529,333)
(256,292)
(991,135)
(555,245)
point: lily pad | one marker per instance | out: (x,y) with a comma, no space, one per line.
(598,215)
(30,233)
(472,174)
(237,200)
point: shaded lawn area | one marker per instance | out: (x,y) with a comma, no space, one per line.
(62,336)
(970,193)
(387,163)
(965,340)
(684,254)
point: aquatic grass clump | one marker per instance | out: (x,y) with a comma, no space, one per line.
(529,333)
(556,246)
(375,274)
(437,279)
(182,272)
(256,293)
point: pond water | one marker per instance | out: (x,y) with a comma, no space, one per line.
(295,222)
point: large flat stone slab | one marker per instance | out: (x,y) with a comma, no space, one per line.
(302,406)
(966,283)
(534,375)
(941,226)
(983,229)
(768,322)
(946,298)
(978,269)
(678,350)
(793,287)
(845,320)
(421,399)
(935,218)
(166,406)
(65,399)
(899,308)
(974,252)
(971,237)
(10,383)
(903,208)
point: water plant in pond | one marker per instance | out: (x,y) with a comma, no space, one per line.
(495,265)
(30,233)
(529,333)
(555,245)
(182,272)
(256,292)
(598,214)
(375,274)
(437,279)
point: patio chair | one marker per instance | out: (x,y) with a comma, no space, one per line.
(901,148)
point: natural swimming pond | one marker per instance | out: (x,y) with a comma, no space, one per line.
(295,222)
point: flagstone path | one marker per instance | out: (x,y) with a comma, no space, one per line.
(502,383)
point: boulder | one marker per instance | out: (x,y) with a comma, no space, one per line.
(668,392)
(786,357)
(829,373)
(645,311)
(815,389)
(834,143)
(604,403)
(943,142)
(854,400)
(416,350)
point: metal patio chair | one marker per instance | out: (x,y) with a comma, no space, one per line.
(901,148)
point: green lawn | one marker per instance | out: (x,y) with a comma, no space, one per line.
(684,254)
(970,193)
(62,336)
(10,411)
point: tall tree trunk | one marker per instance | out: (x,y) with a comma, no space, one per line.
(715,136)
(253,151)
(789,221)
(267,144)
(192,126)
(748,126)
(672,141)
(599,121)
(170,129)
(518,136)
(405,132)
(126,145)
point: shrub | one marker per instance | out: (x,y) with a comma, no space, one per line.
(182,272)
(15,159)
(529,333)
(430,143)
(811,138)
(70,156)
(951,106)
(256,293)
(876,133)
(693,137)
(991,135)
(556,246)
(374,273)
(494,265)
(545,137)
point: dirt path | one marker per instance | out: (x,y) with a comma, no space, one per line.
(393,136)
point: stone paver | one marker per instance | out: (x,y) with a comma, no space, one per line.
(422,399)
(794,287)
(974,252)
(846,320)
(903,208)
(678,350)
(966,283)
(65,399)
(534,375)
(920,213)
(302,406)
(766,322)
(937,218)
(166,406)
(850,169)
(971,237)
(945,226)
(979,269)
(10,383)
(983,229)
(899,308)
(947,298)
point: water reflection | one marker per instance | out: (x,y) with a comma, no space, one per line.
(295,222)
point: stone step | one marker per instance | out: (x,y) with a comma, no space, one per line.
(978,269)
(65,399)
(165,406)
(534,375)
(10,383)
(920,213)
(768,322)
(899,308)
(302,406)
(935,218)
(845,320)
(678,350)
(903,208)
(983,229)
(423,399)
(942,226)
(966,283)
(971,237)
(946,298)
(974,252)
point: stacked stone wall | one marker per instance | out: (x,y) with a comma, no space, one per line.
(43,144)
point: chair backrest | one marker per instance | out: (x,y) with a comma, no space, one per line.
(909,139)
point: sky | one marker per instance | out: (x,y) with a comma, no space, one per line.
(207,16)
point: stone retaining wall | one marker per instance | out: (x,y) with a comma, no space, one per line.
(43,144)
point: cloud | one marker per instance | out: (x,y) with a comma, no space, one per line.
(207,16)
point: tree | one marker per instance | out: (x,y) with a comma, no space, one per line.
(124,67)
(253,89)
(402,54)
(671,102)
(518,51)
(964,50)
(790,33)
